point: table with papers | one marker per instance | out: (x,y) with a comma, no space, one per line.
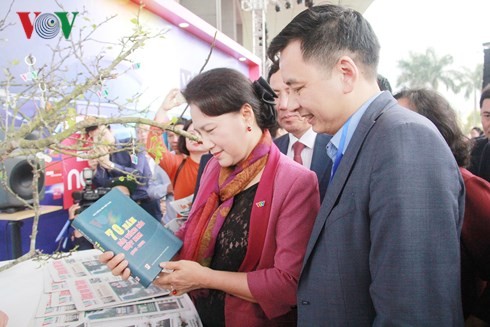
(79,291)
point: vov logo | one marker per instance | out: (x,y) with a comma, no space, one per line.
(47,25)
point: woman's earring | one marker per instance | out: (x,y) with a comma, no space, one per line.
(249,128)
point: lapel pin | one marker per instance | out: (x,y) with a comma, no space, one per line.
(260,204)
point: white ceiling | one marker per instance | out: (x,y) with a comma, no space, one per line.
(277,20)
(237,23)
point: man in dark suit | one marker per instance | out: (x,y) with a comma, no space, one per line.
(314,152)
(480,155)
(384,249)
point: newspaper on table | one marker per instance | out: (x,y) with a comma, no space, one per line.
(174,311)
(167,311)
(64,320)
(50,285)
(167,320)
(80,291)
(95,292)
(48,306)
(70,267)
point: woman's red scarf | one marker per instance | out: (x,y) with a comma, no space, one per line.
(215,200)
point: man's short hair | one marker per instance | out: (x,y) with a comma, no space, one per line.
(272,70)
(326,33)
(485,94)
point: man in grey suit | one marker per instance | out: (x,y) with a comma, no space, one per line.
(384,249)
(314,155)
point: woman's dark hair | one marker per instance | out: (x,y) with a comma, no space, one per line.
(223,90)
(437,109)
(181,142)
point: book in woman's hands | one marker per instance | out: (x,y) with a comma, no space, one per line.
(118,224)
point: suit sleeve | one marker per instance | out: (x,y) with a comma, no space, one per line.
(416,203)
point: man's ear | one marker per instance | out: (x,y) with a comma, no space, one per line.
(349,72)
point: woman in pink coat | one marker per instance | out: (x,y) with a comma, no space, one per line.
(247,232)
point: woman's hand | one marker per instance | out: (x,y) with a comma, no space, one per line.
(173,99)
(182,276)
(117,264)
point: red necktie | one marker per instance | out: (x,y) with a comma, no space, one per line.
(297,148)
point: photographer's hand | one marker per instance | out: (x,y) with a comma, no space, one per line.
(105,162)
(72,211)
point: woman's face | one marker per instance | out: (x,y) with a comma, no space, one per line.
(225,136)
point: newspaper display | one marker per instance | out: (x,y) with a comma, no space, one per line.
(64,320)
(173,310)
(47,308)
(50,285)
(69,268)
(78,292)
(95,292)
(60,298)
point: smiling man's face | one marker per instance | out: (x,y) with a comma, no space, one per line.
(316,94)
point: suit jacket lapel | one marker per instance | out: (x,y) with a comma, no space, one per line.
(282,143)
(320,160)
(334,190)
(321,163)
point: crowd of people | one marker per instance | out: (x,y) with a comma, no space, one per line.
(368,209)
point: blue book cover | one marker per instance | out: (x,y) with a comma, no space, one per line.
(117,223)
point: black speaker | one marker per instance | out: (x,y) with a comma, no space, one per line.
(18,176)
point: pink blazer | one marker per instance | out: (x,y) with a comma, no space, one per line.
(273,283)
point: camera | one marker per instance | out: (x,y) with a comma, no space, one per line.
(88,195)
